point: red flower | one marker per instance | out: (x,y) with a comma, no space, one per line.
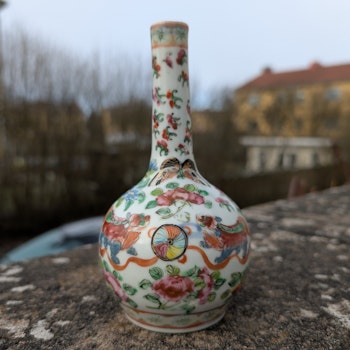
(173,288)
(181,57)
(172,121)
(114,283)
(165,134)
(169,94)
(184,75)
(221,200)
(168,61)
(155,65)
(209,284)
(171,196)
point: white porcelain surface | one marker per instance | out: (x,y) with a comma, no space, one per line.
(174,247)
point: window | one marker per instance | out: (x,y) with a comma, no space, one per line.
(298,124)
(290,160)
(262,160)
(280,160)
(315,159)
(332,94)
(299,96)
(331,122)
(252,126)
(282,97)
(254,100)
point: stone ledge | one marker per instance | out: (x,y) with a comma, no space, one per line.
(296,296)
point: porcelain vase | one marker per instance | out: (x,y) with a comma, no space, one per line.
(173,248)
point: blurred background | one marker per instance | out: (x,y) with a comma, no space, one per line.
(270,93)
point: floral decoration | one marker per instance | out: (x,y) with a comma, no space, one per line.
(158,98)
(181,57)
(173,289)
(175,199)
(173,99)
(156,67)
(183,77)
(173,121)
(157,118)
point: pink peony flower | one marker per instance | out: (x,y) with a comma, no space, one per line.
(114,283)
(173,288)
(171,196)
(209,283)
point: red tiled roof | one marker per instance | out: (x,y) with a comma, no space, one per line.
(315,73)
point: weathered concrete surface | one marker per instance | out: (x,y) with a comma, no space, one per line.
(297,294)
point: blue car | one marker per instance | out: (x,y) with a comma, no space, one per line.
(57,240)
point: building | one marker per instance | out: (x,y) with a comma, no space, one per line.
(309,102)
(265,153)
(292,119)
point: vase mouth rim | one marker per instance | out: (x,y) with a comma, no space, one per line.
(169,24)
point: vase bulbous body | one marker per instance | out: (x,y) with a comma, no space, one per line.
(173,248)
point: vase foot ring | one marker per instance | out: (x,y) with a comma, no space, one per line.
(176,326)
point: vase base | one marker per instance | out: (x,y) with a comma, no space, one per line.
(175,323)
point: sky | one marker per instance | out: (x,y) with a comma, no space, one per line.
(230,41)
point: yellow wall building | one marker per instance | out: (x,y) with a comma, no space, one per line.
(292,119)
(308,102)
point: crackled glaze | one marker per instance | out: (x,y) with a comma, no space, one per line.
(174,247)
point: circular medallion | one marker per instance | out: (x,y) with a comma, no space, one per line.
(169,242)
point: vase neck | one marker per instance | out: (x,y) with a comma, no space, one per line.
(171,121)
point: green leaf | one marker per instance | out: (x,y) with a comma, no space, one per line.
(203,193)
(144,284)
(192,272)
(184,217)
(208,204)
(216,274)
(128,204)
(219,282)
(145,180)
(199,283)
(141,197)
(188,308)
(151,204)
(156,272)
(118,202)
(117,275)
(191,296)
(157,192)
(190,188)
(106,266)
(211,296)
(163,211)
(132,303)
(153,298)
(109,217)
(225,294)
(129,289)
(172,185)
(236,278)
(172,270)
